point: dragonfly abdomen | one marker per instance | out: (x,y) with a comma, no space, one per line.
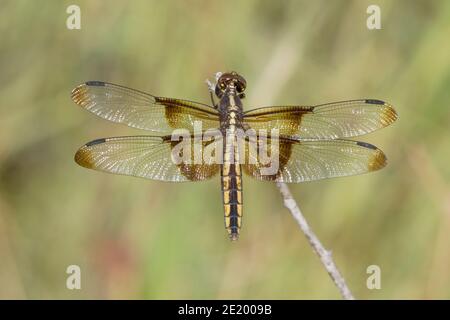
(232,198)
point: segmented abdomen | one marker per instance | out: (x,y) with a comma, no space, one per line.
(232,188)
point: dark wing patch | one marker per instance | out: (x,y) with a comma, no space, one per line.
(148,157)
(301,161)
(141,110)
(328,121)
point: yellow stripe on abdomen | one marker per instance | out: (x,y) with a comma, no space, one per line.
(232,198)
(231,175)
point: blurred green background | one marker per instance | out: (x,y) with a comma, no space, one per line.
(135,238)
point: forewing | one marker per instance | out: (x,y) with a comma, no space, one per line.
(328,121)
(141,110)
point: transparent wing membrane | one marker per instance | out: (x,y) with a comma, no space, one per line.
(328,121)
(141,110)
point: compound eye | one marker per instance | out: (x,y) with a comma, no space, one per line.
(240,88)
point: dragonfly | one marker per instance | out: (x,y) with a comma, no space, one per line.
(311,142)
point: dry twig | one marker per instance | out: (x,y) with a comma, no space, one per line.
(324,255)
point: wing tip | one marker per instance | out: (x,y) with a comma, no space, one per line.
(388,115)
(83,156)
(377,159)
(79,93)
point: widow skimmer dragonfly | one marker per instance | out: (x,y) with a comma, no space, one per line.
(310,141)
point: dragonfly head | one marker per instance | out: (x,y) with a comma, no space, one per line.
(230,79)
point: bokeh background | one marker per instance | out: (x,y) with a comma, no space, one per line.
(142,239)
